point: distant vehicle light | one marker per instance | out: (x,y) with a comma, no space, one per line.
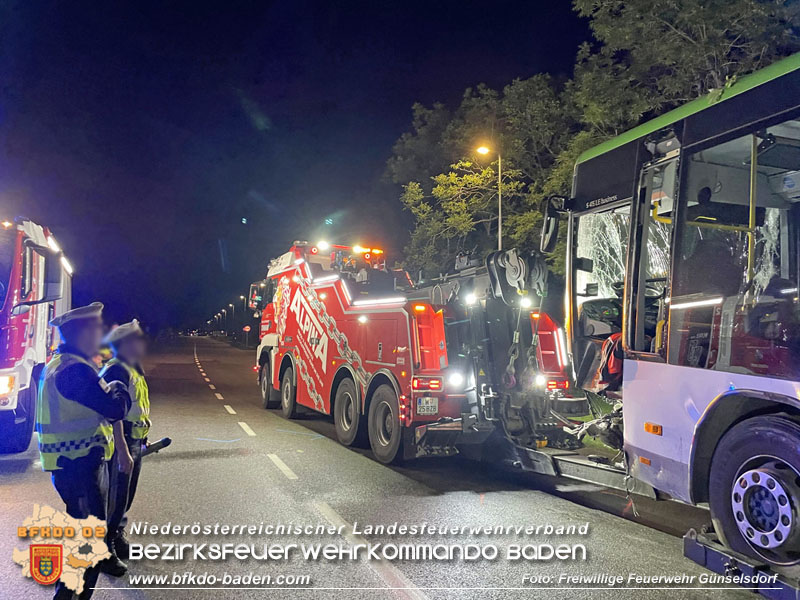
(51,241)
(66,265)
(314,250)
(323,245)
(6,224)
(470,299)
(360,249)
(367,256)
(419,307)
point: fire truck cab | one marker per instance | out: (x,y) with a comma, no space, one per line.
(339,336)
(35,284)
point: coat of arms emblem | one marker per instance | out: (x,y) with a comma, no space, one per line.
(46,562)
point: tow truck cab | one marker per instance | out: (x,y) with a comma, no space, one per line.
(35,283)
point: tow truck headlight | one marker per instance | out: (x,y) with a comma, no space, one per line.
(455,380)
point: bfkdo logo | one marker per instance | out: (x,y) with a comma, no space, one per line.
(46,562)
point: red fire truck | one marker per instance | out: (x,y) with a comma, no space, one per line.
(341,337)
(35,285)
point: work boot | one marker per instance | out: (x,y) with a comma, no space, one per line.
(121,547)
(113,566)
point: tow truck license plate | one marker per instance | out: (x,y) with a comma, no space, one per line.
(427,405)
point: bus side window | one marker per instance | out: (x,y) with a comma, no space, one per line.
(650,304)
(734,302)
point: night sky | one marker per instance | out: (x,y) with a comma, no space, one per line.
(144,135)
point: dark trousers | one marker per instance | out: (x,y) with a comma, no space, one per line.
(122,488)
(82,484)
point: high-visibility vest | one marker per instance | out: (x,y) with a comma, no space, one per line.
(138,417)
(65,427)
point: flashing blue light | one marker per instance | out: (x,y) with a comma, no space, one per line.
(731,387)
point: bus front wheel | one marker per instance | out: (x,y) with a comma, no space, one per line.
(754,489)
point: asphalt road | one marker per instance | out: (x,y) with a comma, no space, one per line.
(232,462)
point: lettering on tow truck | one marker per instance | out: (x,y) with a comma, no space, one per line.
(311,328)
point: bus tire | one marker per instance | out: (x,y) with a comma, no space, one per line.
(347,418)
(19,434)
(754,489)
(288,394)
(268,395)
(385,430)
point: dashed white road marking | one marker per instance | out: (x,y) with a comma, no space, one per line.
(284,468)
(211,386)
(206,379)
(219,396)
(393,577)
(229,408)
(247,429)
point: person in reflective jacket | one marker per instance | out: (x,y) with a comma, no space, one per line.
(128,344)
(75,411)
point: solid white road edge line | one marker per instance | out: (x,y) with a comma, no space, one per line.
(229,408)
(394,578)
(284,468)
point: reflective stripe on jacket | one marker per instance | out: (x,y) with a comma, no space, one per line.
(138,417)
(67,428)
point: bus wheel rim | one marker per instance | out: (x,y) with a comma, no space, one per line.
(762,501)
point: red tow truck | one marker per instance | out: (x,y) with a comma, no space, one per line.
(340,336)
(35,286)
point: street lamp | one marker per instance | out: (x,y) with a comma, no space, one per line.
(485,150)
(244,302)
(233,310)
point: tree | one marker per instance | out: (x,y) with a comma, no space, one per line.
(460,214)
(652,56)
(646,57)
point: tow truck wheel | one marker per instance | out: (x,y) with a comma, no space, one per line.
(288,394)
(385,431)
(754,489)
(267,393)
(19,434)
(350,423)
